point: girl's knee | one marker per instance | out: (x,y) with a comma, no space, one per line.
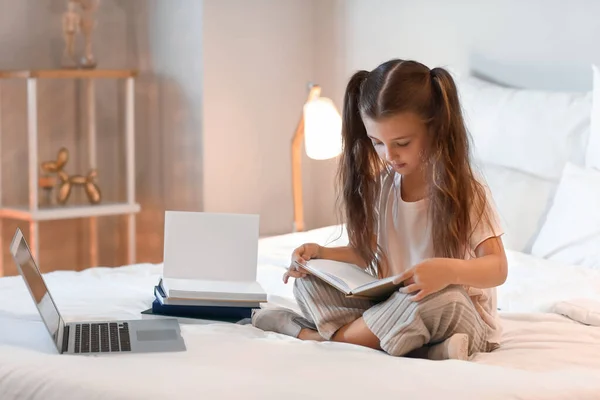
(303,287)
(303,283)
(455,294)
(448,297)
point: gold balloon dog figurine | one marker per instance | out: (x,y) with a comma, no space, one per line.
(91,189)
(57,166)
(67,182)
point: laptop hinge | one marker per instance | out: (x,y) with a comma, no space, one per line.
(65,339)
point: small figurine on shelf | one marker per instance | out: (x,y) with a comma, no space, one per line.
(70,25)
(91,189)
(56,166)
(67,182)
(79,21)
(88,23)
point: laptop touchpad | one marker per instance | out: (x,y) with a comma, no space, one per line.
(156,334)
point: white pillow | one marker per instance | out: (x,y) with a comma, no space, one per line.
(522,200)
(533,131)
(592,158)
(571,233)
(535,284)
(585,311)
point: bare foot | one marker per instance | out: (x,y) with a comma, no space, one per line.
(309,334)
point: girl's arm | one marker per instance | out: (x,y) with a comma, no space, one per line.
(488,269)
(346,254)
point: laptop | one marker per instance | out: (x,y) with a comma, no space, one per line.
(97,337)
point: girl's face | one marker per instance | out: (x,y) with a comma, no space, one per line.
(399,140)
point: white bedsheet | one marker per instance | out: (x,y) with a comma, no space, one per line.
(543,355)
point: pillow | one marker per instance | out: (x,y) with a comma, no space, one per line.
(522,200)
(592,158)
(585,311)
(533,131)
(571,233)
(536,284)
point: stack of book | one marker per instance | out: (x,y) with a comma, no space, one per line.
(173,299)
(210,267)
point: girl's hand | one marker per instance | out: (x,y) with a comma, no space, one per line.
(300,256)
(425,278)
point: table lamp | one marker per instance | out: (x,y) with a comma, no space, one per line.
(320,128)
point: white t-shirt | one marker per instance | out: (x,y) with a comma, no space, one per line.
(404,235)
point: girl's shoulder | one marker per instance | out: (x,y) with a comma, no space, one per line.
(485,218)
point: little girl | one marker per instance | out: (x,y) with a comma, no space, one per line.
(414,210)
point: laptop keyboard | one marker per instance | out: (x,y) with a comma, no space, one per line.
(101,338)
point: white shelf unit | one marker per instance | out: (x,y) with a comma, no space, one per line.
(34,214)
(54,213)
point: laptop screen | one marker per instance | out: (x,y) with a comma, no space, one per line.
(36,285)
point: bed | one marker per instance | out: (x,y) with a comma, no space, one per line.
(544,355)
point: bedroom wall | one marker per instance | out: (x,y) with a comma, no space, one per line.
(158,39)
(258,58)
(30,37)
(221,83)
(257,61)
(537,44)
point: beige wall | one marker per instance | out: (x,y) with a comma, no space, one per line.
(538,44)
(30,37)
(130,34)
(331,71)
(258,58)
(220,91)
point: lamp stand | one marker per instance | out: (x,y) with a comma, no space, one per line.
(314,92)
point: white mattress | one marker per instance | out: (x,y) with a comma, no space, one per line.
(543,355)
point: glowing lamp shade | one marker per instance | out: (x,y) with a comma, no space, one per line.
(322,129)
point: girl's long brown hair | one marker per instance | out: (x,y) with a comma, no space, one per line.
(455,195)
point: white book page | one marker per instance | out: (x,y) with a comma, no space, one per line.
(198,286)
(351,275)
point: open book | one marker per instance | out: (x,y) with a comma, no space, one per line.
(211,257)
(351,280)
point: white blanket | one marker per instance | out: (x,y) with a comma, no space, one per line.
(543,355)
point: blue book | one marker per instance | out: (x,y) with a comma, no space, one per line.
(202,312)
(151,311)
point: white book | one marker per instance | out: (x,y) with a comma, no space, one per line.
(213,290)
(211,256)
(351,280)
(176,301)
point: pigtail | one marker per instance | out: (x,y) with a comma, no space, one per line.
(357,177)
(459,195)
